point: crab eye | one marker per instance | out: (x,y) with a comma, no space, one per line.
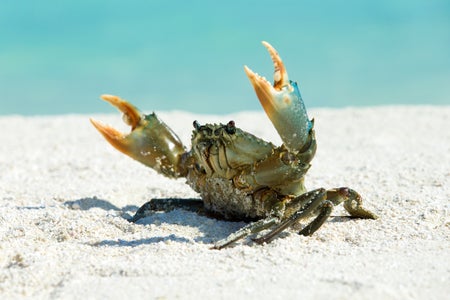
(196,125)
(231,128)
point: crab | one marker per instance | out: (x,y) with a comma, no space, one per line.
(238,175)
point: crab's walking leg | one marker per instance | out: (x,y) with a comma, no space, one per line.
(325,211)
(166,205)
(353,204)
(319,202)
(251,228)
(302,206)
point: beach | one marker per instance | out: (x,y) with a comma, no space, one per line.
(65,194)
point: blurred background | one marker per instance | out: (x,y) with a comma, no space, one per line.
(57,57)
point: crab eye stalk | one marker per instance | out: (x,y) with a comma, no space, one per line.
(231,127)
(196,125)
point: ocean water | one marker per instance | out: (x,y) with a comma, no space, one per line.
(57,57)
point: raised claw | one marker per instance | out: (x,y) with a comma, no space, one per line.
(131,116)
(282,103)
(150,141)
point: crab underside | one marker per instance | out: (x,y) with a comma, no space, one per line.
(238,175)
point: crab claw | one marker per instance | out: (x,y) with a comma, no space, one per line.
(282,103)
(150,141)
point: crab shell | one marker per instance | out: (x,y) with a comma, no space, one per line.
(238,175)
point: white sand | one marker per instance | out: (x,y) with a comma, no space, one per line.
(63,191)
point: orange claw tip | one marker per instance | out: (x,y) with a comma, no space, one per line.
(115,101)
(109,98)
(264,91)
(256,79)
(107,131)
(131,115)
(280,76)
(273,53)
(250,74)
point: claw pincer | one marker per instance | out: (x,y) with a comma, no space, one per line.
(282,103)
(150,142)
(238,175)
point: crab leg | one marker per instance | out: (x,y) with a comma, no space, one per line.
(305,204)
(251,228)
(150,141)
(319,202)
(282,103)
(166,205)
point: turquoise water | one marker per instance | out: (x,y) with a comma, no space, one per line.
(59,56)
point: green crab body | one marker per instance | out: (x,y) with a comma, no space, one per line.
(219,157)
(238,175)
(233,171)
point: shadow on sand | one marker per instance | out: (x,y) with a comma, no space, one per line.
(181,214)
(94,202)
(210,229)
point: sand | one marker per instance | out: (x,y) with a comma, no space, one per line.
(64,193)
